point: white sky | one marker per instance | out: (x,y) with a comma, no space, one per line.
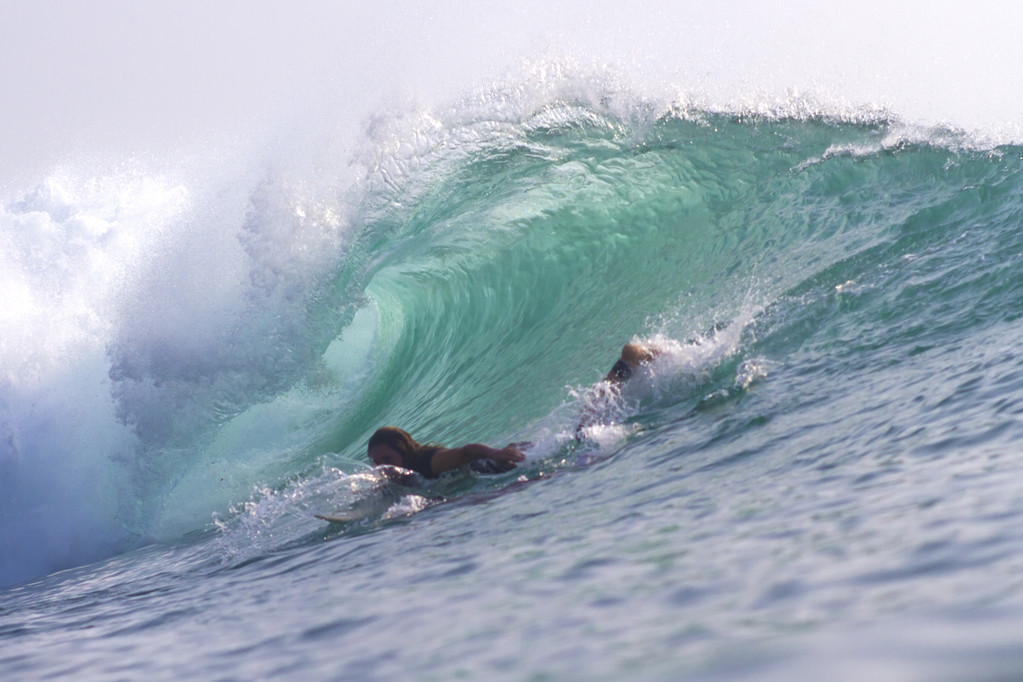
(119,77)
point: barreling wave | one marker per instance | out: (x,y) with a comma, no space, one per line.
(171,345)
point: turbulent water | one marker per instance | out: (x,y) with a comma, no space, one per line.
(818,472)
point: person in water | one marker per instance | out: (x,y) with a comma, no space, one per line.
(633,355)
(391,446)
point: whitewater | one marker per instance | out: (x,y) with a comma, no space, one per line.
(818,472)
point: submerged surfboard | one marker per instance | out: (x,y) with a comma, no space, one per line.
(340,517)
(366,507)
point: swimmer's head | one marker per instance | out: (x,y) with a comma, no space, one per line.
(392,446)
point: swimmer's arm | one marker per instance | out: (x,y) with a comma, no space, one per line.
(453,458)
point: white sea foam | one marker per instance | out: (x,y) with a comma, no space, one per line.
(139,310)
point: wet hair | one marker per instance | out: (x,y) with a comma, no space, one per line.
(399,439)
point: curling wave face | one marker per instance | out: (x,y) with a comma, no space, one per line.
(169,349)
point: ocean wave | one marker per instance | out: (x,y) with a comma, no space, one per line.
(172,345)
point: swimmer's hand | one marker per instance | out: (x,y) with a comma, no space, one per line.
(508,455)
(453,458)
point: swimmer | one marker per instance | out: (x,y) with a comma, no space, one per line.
(634,355)
(394,447)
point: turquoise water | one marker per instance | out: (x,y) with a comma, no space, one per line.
(818,472)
